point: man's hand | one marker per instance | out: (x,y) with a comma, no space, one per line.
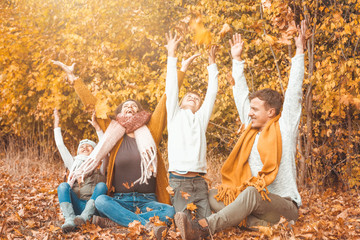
(68,69)
(187,62)
(172,43)
(212,54)
(56,118)
(94,123)
(236,46)
(300,41)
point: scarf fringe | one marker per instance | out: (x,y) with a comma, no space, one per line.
(227,194)
(147,149)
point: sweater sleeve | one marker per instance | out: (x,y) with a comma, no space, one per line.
(64,152)
(157,122)
(291,112)
(89,101)
(208,104)
(171,89)
(241,91)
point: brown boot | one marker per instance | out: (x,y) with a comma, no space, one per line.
(190,229)
(159,231)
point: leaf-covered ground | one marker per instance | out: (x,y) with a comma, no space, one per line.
(29,210)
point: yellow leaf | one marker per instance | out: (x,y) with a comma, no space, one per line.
(191,207)
(225,29)
(269,39)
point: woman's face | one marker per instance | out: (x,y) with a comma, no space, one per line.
(129,109)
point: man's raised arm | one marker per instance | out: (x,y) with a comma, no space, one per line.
(240,89)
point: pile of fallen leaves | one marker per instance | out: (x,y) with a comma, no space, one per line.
(29,209)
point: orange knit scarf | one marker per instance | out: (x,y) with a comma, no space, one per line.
(236,174)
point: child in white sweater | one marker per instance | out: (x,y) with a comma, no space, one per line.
(186,124)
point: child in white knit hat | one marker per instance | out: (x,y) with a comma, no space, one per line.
(77,202)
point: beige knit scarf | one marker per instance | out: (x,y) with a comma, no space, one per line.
(114,132)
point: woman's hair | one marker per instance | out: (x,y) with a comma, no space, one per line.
(272,98)
(119,108)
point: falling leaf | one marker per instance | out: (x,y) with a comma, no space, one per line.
(266,3)
(138,211)
(185,195)
(225,29)
(170,190)
(202,35)
(126,185)
(269,39)
(191,207)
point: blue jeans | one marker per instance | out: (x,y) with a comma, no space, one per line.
(122,207)
(66,194)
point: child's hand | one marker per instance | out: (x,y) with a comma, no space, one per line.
(172,43)
(187,62)
(212,54)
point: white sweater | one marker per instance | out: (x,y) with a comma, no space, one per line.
(284,184)
(186,130)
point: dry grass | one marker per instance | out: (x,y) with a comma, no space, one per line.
(24,157)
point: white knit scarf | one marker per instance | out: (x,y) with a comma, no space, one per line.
(114,132)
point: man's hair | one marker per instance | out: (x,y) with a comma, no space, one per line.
(197,94)
(272,98)
(119,108)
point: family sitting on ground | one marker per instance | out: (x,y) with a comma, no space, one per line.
(123,178)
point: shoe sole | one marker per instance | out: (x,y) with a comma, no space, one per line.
(180,224)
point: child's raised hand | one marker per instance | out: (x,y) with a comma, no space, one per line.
(187,62)
(172,42)
(212,54)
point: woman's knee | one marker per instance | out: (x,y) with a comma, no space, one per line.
(101,201)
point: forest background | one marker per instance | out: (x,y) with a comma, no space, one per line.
(118,48)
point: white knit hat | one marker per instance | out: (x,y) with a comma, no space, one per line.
(86,141)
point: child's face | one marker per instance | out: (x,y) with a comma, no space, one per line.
(191,101)
(85,149)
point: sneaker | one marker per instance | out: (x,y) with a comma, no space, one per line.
(190,229)
(104,222)
(158,230)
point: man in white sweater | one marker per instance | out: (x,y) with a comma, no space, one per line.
(186,126)
(268,190)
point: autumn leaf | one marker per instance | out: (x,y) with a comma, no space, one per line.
(138,211)
(170,190)
(126,185)
(148,209)
(191,207)
(266,3)
(202,35)
(185,195)
(269,39)
(225,29)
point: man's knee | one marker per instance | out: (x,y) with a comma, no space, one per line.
(214,204)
